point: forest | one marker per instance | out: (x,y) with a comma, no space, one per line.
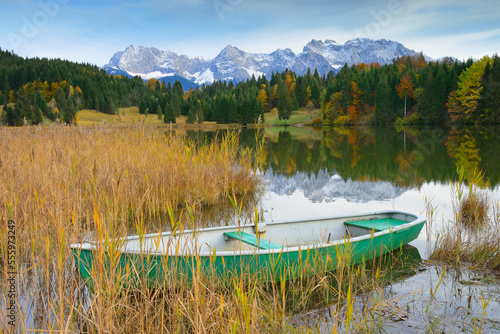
(411,90)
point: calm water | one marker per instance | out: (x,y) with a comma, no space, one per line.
(313,172)
(316,172)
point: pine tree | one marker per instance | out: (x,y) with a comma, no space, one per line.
(22,109)
(284,102)
(69,113)
(169,114)
(158,112)
(178,91)
(37,116)
(143,107)
(489,104)
(191,116)
(60,98)
(9,116)
(383,105)
(315,93)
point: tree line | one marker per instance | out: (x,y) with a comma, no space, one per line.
(57,89)
(415,91)
(409,90)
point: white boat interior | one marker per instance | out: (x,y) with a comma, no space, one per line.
(266,238)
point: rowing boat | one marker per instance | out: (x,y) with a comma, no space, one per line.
(273,251)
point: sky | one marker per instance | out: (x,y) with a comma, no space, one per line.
(92,31)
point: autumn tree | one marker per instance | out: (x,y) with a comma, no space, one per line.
(405,88)
(463,103)
(262,98)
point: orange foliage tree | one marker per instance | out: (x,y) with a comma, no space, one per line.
(405,88)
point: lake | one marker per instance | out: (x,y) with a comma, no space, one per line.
(314,172)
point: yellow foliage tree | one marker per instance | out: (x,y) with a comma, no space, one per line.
(463,103)
(45,90)
(288,79)
(308,94)
(12,97)
(78,91)
(53,89)
(152,83)
(262,98)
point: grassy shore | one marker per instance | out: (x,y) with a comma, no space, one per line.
(128,115)
(131,115)
(302,116)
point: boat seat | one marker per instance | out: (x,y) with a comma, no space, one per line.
(252,240)
(376,224)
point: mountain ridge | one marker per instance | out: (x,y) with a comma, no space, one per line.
(234,64)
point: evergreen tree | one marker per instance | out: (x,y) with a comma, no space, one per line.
(9,116)
(489,104)
(383,104)
(169,114)
(158,112)
(37,116)
(69,114)
(284,103)
(61,102)
(22,109)
(143,107)
(315,92)
(41,104)
(191,116)
(178,91)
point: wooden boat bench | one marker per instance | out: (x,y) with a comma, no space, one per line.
(360,227)
(252,240)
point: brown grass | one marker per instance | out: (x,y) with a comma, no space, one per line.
(67,174)
(473,211)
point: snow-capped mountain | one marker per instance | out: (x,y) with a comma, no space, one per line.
(234,64)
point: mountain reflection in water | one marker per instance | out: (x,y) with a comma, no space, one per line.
(327,188)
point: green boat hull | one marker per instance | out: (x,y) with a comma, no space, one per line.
(165,271)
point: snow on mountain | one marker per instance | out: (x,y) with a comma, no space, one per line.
(237,65)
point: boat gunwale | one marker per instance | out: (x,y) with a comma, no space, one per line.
(88,246)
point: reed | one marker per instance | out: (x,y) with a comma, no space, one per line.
(65,184)
(473,237)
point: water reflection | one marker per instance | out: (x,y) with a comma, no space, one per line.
(388,269)
(324,187)
(405,158)
(366,168)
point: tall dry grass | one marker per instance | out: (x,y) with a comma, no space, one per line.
(55,177)
(55,180)
(62,184)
